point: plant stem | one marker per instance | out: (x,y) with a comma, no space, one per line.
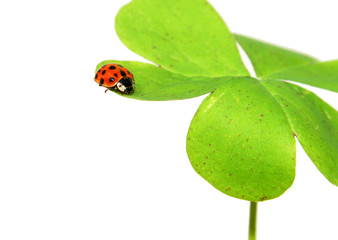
(252,222)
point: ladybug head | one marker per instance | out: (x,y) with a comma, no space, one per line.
(125,85)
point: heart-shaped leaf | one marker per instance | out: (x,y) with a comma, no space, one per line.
(155,83)
(186,37)
(267,58)
(322,74)
(241,142)
(313,121)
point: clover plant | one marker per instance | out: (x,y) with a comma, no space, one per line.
(242,138)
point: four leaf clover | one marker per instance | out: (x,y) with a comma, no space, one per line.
(242,137)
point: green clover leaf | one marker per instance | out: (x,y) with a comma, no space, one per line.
(273,62)
(313,121)
(177,36)
(322,75)
(241,142)
(267,58)
(156,84)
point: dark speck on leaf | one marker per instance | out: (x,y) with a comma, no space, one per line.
(263,198)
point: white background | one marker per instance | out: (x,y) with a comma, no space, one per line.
(80,164)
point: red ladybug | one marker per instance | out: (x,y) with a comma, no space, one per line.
(115,77)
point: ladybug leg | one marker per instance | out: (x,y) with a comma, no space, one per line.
(106,90)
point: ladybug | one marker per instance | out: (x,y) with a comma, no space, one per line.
(115,77)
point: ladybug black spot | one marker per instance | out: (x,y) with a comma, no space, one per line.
(103,72)
(101,81)
(99,70)
(104,66)
(123,73)
(119,65)
(95,76)
(115,74)
(112,67)
(111,79)
(128,72)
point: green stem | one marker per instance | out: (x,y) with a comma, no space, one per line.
(252,222)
